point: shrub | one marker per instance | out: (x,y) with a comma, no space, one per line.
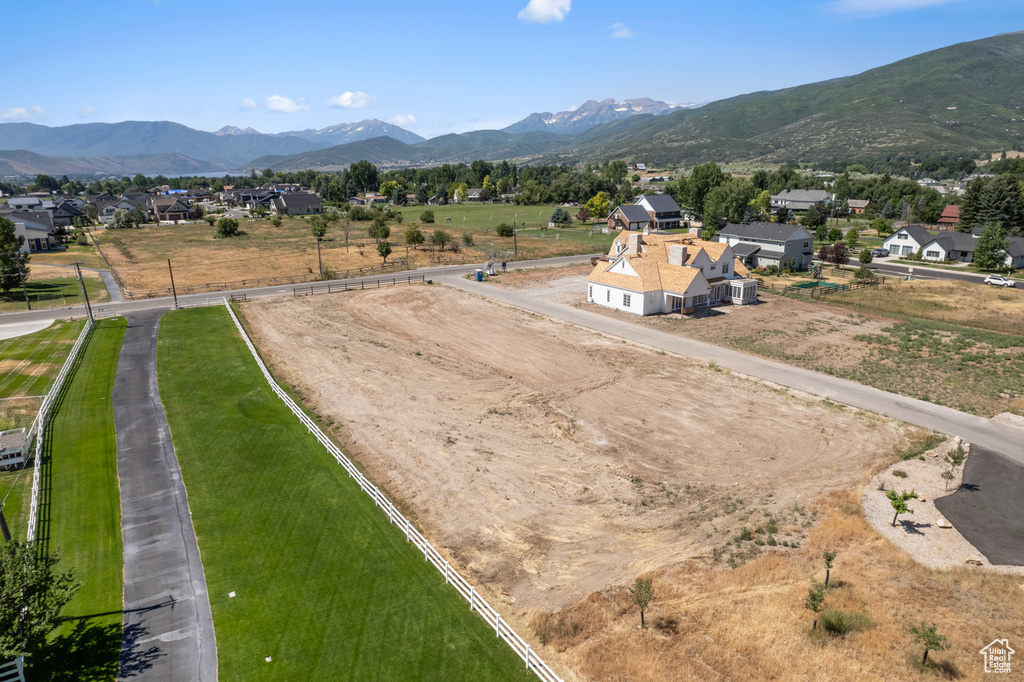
(839,622)
(427,217)
(360,213)
(82,240)
(771,270)
(864,273)
(899,473)
(505,230)
(227,227)
(276,221)
(467,238)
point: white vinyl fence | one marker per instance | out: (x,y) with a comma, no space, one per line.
(451,576)
(38,428)
(15,670)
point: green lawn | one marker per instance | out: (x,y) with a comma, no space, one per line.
(54,292)
(31,362)
(324,584)
(80,515)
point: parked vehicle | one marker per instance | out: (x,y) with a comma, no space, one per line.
(880,252)
(1000,281)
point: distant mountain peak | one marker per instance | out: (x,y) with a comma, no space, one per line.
(591,113)
(343,133)
(235,130)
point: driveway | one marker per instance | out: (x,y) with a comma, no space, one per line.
(986,508)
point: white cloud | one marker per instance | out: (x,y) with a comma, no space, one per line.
(286,105)
(21,113)
(87,111)
(883,6)
(620,30)
(352,100)
(248,104)
(403,120)
(544,11)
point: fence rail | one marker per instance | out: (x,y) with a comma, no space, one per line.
(476,603)
(198,303)
(335,287)
(13,671)
(38,427)
(103,313)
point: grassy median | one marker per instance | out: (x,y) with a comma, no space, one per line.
(324,585)
(80,515)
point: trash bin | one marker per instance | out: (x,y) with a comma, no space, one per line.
(479,275)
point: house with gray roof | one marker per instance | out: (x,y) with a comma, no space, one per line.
(296,203)
(35,226)
(960,247)
(629,217)
(664,211)
(762,244)
(800,199)
(907,240)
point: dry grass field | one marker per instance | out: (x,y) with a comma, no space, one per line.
(554,465)
(140,256)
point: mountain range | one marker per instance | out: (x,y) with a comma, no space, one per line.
(963,99)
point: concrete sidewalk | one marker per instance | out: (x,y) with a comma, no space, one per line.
(168,624)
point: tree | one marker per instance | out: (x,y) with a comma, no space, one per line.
(379,229)
(865,256)
(852,236)
(881,226)
(467,238)
(821,232)
(888,211)
(461,192)
(13,263)
(505,230)
(440,239)
(384,249)
(138,216)
(427,217)
(728,202)
(928,637)
(762,204)
(364,175)
(388,187)
(582,215)
(825,253)
(899,502)
(990,252)
(835,234)
(599,205)
(702,180)
(258,211)
(815,600)
(227,227)
(318,226)
(839,255)
(829,557)
(32,595)
(642,592)
(210,219)
(121,220)
(346,229)
(561,217)
(413,236)
(954,459)
(812,217)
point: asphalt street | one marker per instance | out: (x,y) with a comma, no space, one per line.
(168,624)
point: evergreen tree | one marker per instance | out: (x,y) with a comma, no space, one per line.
(13,263)
(888,212)
(989,254)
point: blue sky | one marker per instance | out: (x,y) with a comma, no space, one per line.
(436,69)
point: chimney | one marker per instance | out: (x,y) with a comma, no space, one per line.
(633,244)
(677,254)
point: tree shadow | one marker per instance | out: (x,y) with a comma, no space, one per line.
(914,528)
(135,660)
(89,652)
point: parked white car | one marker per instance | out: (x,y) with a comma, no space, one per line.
(1000,281)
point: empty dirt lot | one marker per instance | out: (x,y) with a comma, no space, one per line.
(548,460)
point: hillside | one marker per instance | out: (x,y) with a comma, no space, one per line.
(21,162)
(588,115)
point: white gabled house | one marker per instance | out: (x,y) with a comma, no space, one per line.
(906,241)
(654,274)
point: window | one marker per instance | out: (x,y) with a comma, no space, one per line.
(609,295)
(714,267)
(725,268)
(626,300)
(901,235)
(931,254)
(806,244)
(590,293)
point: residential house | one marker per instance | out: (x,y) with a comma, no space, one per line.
(170,209)
(476,194)
(296,203)
(105,209)
(664,211)
(25,203)
(639,166)
(354,201)
(933,184)
(36,227)
(907,240)
(629,217)
(858,206)
(648,274)
(65,212)
(762,244)
(253,198)
(950,217)
(800,199)
(960,246)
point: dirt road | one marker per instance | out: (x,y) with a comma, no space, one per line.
(551,461)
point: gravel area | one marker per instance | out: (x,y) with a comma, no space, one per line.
(919,534)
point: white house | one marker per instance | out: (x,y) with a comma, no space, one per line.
(907,240)
(960,247)
(653,274)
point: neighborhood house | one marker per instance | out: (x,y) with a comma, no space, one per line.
(654,212)
(759,245)
(648,274)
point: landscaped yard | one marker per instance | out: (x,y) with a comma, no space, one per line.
(324,585)
(263,251)
(80,515)
(53,287)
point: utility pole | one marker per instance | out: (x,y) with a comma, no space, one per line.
(515,240)
(3,526)
(85,294)
(318,259)
(24,287)
(174,291)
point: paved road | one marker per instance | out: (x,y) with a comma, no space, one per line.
(986,507)
(168,624)
(922,272)
(976,430)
